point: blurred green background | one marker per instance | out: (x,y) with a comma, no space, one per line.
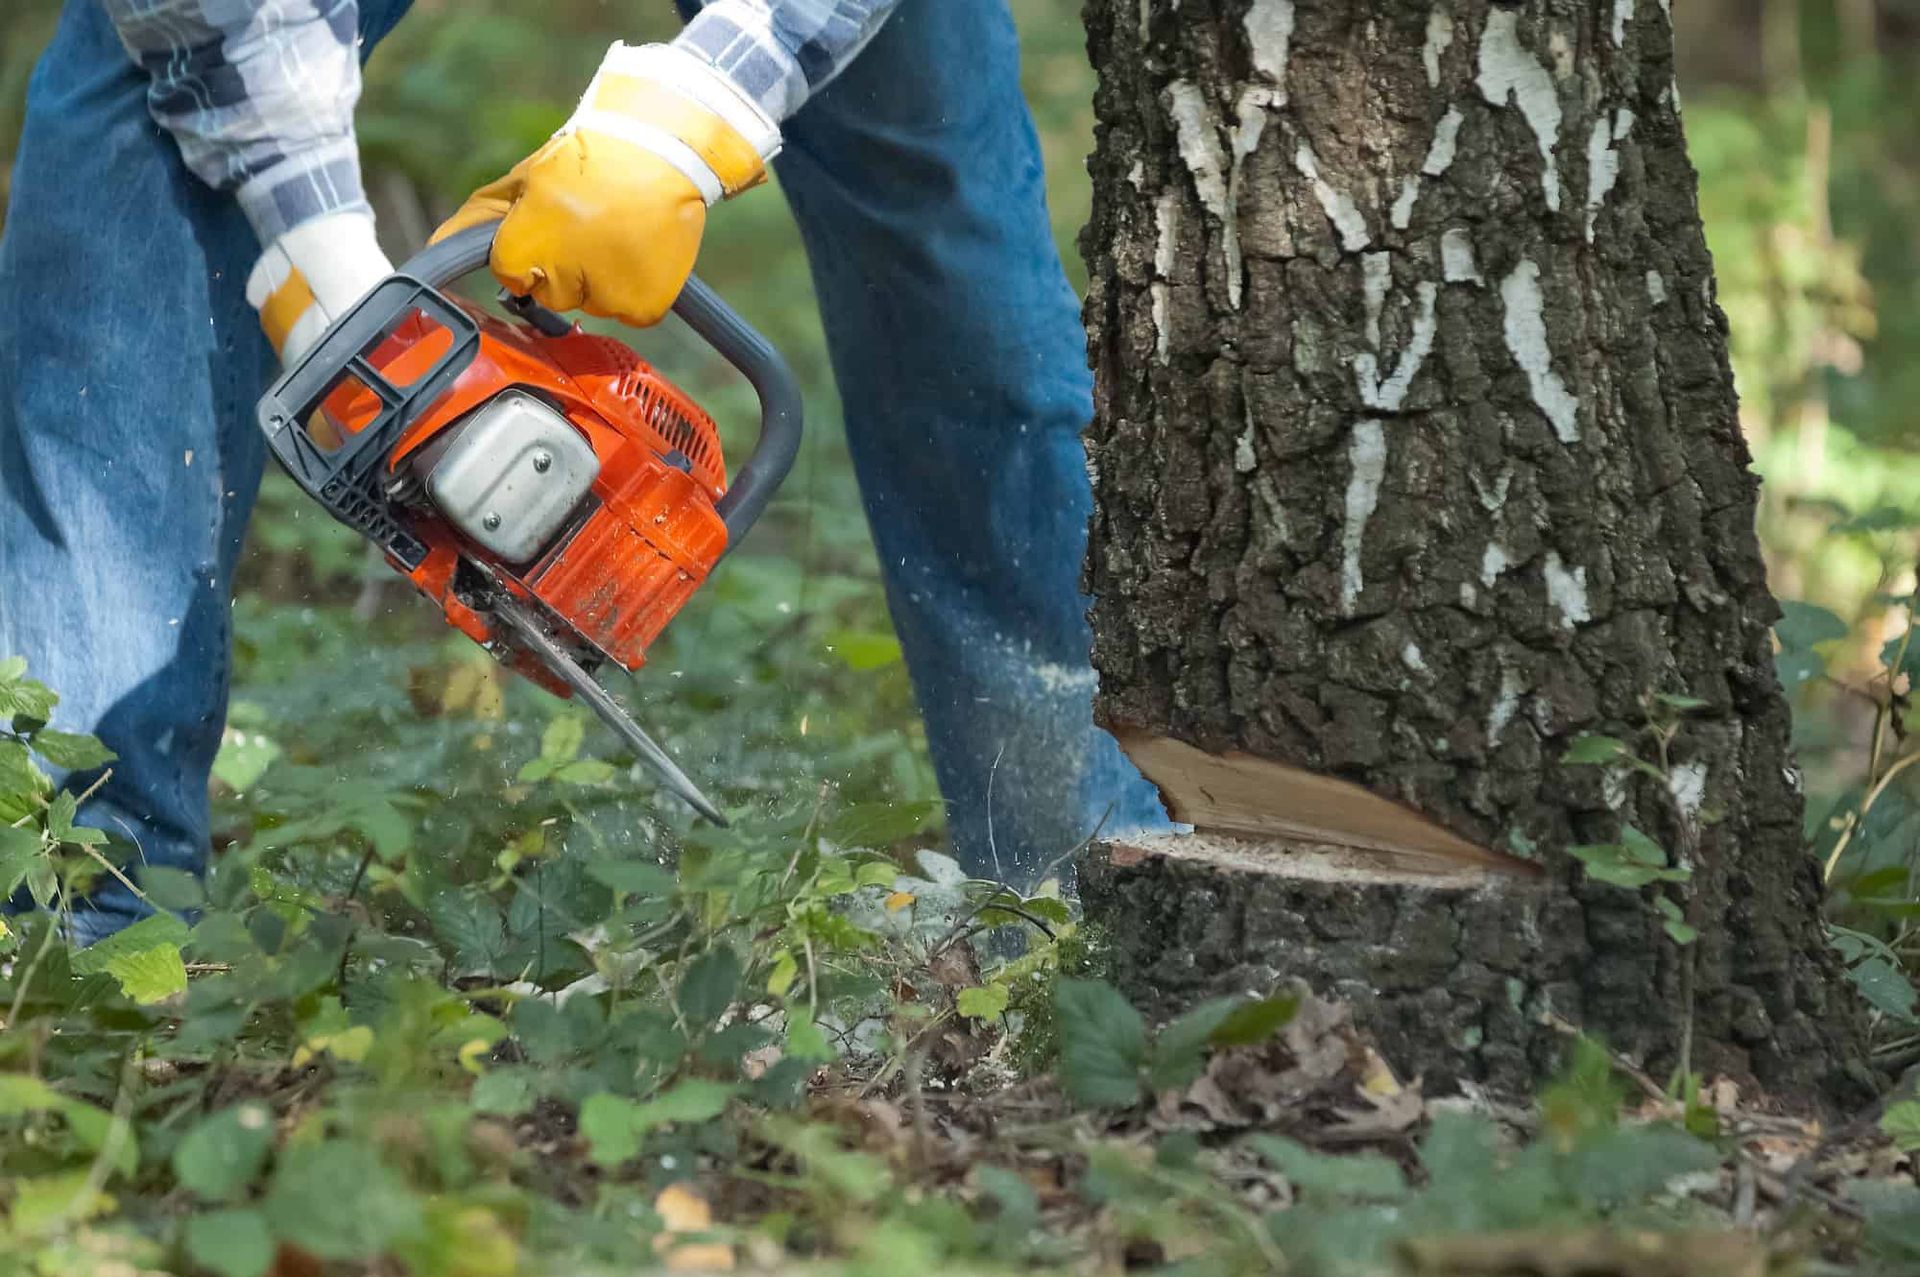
(1800,115)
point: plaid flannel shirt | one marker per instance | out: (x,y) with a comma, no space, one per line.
(260,93)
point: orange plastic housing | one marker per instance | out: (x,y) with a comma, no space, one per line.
(648,536)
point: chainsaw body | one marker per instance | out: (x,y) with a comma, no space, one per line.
(555,496)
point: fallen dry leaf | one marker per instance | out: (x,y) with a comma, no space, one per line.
(682,1210)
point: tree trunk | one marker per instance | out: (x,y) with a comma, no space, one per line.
(1415,460)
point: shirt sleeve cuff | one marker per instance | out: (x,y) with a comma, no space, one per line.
(737,39)
(303,187)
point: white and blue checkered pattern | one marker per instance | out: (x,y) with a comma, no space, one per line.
(260,93)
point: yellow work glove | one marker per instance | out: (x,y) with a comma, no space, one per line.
(607,216)
(311,276)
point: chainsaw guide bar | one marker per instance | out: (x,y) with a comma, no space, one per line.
(533,639)
(553,494)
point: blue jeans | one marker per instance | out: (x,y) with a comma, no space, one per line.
(129,458)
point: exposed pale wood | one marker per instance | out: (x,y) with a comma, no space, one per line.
(1239,793)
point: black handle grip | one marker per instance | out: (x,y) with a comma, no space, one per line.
(720,326)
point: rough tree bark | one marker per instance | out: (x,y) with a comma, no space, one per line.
(1416,458)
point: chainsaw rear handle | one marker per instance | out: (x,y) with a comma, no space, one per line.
(719,325)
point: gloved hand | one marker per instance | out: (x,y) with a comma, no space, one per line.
(607,216)
(311,276)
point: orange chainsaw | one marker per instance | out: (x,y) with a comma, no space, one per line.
(555,496)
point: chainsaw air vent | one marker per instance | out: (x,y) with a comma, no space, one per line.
(630,389)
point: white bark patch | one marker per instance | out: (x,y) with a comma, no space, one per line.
(1457,264)
(1506,703)
(1166,214)
(1603,161)
(1687,782)
(1615,787)
(1439,40)
(1403,205)
(1493,496)
(1567,591)
(1269,31)
(1376,277)
(1250,122)
(1368,455)
(1137,175)
(1622,11)
(1526,330)
(1656,288)
(1389,395)
(1338,205)
(1197,136)
(1509,73)
(1446,140)
(1493,561)
(1243,459)
(1410,656)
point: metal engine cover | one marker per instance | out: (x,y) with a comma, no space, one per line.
(512,475)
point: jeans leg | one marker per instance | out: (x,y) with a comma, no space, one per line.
(129,459)
(957,345)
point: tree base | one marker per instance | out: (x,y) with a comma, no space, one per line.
(1458,974)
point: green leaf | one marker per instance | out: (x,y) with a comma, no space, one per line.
(389,829)
(1103,1043)
(807,1041)
(608,1126)
(1633,862)
(18,774)
(635,877)
(711,984)
(1674,921)
(982,1001)
(20,850)
(152,975)
(504,1092)
(1625,1166)
(1885,987)
(71,750)
(1893,1222)
(91,1126)
(22,697)
(1180,1050)
(1255,1022)
(1587,751)
(864,650)
(694,1100)
(223,1155)
(171,888)
(1901,1124)
(561,741)
(1364,1177)
(585,771)
(336,1199)
(233,1243)
(881,824)
(151,932)
(243,759)
(1803,626)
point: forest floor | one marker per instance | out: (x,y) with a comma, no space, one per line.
(459,1000)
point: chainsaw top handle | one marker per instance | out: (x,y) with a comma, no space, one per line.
(347,480)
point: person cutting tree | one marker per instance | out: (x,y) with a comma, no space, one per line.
(142,266)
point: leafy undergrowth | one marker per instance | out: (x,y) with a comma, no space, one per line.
(457,1000)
